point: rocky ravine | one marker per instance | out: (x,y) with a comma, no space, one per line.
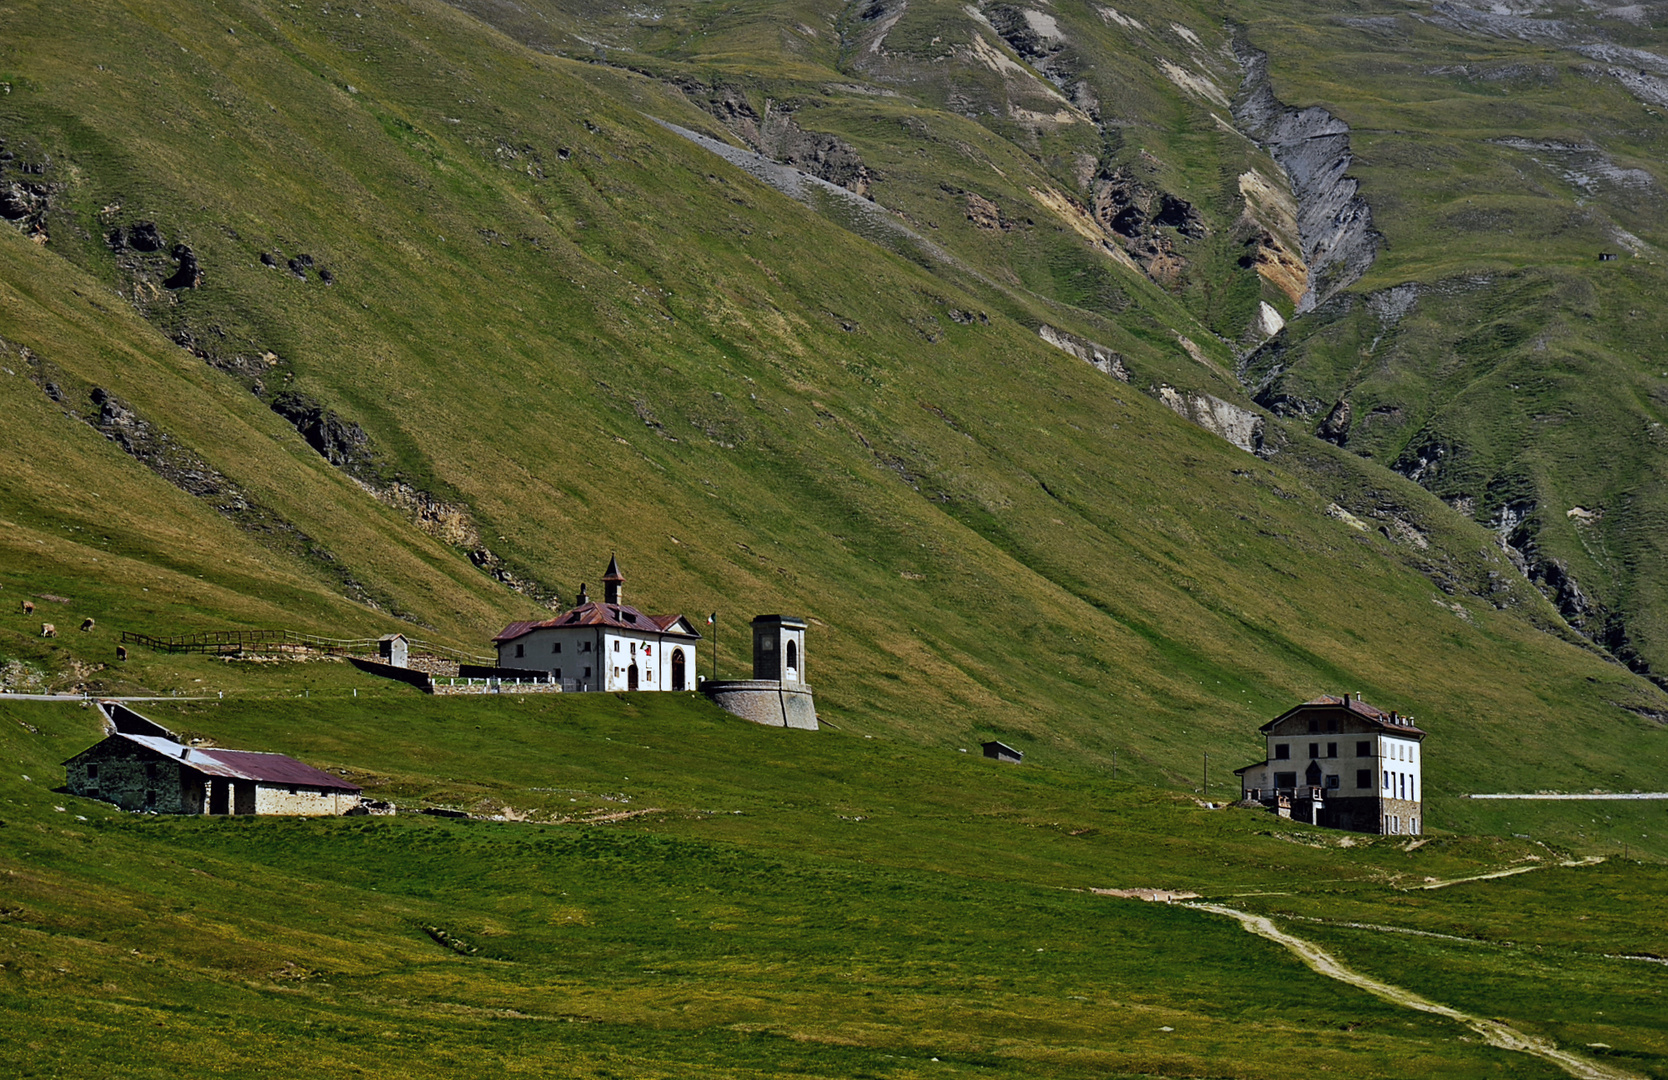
(1334,222)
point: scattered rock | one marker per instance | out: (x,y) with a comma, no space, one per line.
(1095,355)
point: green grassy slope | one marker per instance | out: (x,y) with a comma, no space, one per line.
(1522,371)
(730,901)
(577,332)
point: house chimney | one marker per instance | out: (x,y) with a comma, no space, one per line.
(612,579)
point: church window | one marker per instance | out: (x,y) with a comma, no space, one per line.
(616,644)
(1386,781)
(634,648)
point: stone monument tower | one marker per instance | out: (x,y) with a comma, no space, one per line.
(777,694)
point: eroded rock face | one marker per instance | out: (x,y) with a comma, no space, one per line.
(1335,224)
(1335,428)
(26,195)
(778,136)
(1144,218)
(1092,353)
(343,444)
(1242,427)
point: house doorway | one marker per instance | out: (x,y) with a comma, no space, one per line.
(220,801)
(677,669)
(631,677)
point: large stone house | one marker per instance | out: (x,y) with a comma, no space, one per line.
(140,765)
(606,646)
(1341,763)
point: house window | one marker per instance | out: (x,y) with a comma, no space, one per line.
(293,790)
(1285,779)
(150,771)
(1282,752)
(634,648)
(1314,750)
(616,644)
(1314,726)
(556,647)
(587,673)
(585,646)
(557,673)
(1386,781)
(1363,749)
(1332,782)
(92,770)
(521,650)
(1331,749)
(1363,778)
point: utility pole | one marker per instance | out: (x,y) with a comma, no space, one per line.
(714,621)
(1207,775)
(1114,766)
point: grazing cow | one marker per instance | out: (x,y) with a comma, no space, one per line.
(28,607)
(88,625)
(48,630)
(121,652)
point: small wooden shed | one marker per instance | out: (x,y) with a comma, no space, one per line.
(1002,752)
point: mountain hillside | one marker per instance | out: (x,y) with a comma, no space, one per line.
(929,322)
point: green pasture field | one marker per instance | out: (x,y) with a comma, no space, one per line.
(694,895)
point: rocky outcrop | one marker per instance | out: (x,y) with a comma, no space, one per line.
(1146,220)
(1335,224)
(26,195)
(342,443)
(189,275)
(777,135)
(1240,426)
(1092,353)
(1335,428)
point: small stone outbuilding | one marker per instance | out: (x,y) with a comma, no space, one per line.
(141,766)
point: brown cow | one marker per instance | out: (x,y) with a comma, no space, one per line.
(88,625)
(48,630)
(28,607)
(121,652)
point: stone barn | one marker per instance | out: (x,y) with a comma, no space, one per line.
(156,772)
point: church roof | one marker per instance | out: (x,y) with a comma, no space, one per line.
(1391,722)
(613,571)
(617,616)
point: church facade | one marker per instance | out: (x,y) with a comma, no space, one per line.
(604,646)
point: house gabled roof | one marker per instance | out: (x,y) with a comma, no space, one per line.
(617,616)
(1248,768)
(237,764)
(1392,723)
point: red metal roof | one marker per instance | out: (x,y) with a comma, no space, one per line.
(240,764)
(618,616)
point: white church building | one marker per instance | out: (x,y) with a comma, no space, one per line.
(604,646)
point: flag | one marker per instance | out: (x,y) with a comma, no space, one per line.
(712,618)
